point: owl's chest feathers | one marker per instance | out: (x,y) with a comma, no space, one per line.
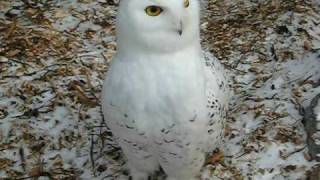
(156,84)
(165,75)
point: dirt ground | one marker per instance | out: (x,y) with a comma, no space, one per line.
(54,55)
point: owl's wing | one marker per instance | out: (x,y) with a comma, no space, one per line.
(121,118)
(218,96)
(217,79)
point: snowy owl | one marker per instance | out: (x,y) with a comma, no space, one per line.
(163,98)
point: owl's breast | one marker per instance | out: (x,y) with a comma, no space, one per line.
(159,95)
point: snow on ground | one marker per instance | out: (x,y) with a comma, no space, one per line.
(54,54)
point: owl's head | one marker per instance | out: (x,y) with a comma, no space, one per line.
(158,25)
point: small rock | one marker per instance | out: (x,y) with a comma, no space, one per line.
(312,128)
(3,59)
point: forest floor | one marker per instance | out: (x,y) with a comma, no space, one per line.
(54,55)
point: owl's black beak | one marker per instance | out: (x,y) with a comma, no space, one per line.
(180,30)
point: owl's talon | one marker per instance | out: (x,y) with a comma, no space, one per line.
(140,176)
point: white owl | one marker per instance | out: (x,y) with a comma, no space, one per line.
(163,98)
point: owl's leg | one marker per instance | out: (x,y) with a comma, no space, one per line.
(138,175)
(141,164)
(141,168)
(184,166)
(172,178)
(184,178)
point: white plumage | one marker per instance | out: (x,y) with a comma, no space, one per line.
(163,99)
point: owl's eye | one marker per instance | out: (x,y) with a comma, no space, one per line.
(186,3)
(153,10)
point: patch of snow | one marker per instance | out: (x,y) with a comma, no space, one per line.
(67,23)
(265,129)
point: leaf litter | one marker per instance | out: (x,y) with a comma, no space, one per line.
(54,55)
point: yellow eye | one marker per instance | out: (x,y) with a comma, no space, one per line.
(186,3)
(153,10)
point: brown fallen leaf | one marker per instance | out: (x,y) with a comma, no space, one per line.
(36,171)
(215,158)
(307,156)
(314,174)
(83,98)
